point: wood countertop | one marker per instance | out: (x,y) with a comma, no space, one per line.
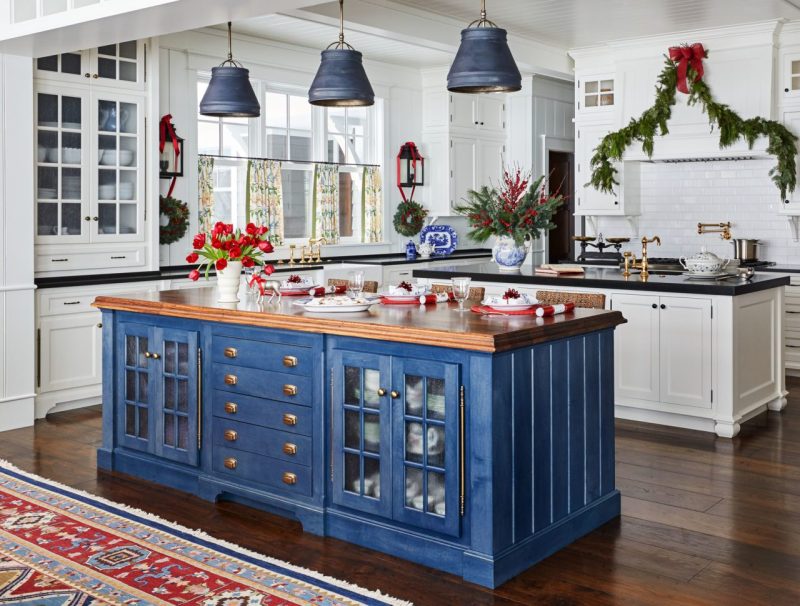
(435,325)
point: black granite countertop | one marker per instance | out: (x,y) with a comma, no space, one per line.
(400,259)
(609,278)
(782,269)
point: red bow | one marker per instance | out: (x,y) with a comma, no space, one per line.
(257,279)
(166,128)
(685,56)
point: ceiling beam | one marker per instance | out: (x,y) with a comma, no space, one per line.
(428,30)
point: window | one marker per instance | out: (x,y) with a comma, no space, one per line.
(298,134)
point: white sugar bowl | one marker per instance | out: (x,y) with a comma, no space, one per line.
(704,263)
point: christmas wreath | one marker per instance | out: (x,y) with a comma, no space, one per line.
(684,72)
(178,214)
(409,218)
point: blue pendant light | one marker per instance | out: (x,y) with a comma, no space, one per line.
(484,63)
(230,94)
(341,80)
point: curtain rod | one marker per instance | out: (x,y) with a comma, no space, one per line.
(221,156)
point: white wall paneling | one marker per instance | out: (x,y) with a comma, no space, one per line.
(17,346)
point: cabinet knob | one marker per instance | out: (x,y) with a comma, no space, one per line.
(230,463)
(230,435)
(381,392)
(786,90)
(663,306)
(231,380)
(289,361)
(290,420)
(231,408)
(289,478)
(147,354)
(395,394)
(230,352)
(95,76)
(156,356)
(99,325)
(87,218)
(655,306)
(290,449)
(786,201)
(95,218)
(290,390)
(88,75)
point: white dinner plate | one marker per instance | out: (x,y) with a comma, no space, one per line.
(320,306)
(521,307)
(401,298)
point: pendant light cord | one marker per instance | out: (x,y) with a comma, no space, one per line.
(340,43)
(483,21)
(230,60)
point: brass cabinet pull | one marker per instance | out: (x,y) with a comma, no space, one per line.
(395,394)
(290,449)
(199,398)
(230,435)
(147,354)
(156,356)
(231,380)
(289,419)
(462,456)
(230,352)
(289,478)
(289,361)
(230,463)
(290,390)
(231,408)
(381,392)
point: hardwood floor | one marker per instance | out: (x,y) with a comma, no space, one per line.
(704,520)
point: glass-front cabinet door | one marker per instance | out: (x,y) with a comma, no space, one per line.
(136,388)
(119,65)
(118,173)
(177,427)
(61,154)
(361,431)
(427,449)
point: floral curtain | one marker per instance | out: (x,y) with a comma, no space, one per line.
(371,204)
(205,193)
(326,203)
(265,197)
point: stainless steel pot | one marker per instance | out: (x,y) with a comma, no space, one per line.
(745,249)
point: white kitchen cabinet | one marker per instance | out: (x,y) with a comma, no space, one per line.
(596,95)
(480,113)
(463,168)
(792,322)
(70,351)
(119,65)
(663,354)
(490,162)
(790,204)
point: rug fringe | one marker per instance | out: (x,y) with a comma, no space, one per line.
(200,534)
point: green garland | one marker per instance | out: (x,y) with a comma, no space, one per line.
(178,214)
(409,218)
(781,142)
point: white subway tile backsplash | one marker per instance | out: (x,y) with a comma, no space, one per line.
(676,197)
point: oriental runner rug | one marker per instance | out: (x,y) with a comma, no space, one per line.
(62,547)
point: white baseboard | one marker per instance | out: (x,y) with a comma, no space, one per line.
(16,412)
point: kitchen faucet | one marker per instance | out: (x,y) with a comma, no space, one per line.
(643,265)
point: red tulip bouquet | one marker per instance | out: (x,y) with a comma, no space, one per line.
(224,245)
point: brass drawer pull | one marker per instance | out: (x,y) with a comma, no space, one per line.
(290,390)
(231,408)
(230,435)
(381,391)
(289,361)
(230,352)
(290,449)
(156,356)
(289,419)
(289,478)
(147,354)
(230,463)
(231,380)
(395,394)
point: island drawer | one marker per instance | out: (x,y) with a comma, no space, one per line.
(256,411)
(262,441)
(262,470)
(262,383)
(264,355)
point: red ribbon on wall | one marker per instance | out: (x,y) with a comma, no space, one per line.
(414,157)
(166,128)
(685,56)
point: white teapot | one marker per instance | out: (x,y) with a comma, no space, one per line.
(704,262)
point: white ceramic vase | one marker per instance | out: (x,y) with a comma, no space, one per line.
(508,256)
(228,281)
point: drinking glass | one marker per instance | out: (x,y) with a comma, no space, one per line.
(356,283)
(461,291)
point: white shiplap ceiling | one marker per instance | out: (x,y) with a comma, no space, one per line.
(574,23)
(312,34)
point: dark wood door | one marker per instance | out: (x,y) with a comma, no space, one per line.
(562,181)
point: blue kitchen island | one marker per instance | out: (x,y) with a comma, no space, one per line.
(476,445)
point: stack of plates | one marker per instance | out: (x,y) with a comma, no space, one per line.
(72,125)
(108,157)
(126,191)
(71,187)
(47,193)
(107,192)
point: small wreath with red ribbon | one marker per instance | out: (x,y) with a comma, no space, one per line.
(177,213)
(409,218)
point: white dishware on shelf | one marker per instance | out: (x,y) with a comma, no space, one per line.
(71,125)
(436,404)
(49,124)
(52,154)
(41,154)
(107,192)
(71,155)
(108,157)
(125,157)
(126,191)
(47,193)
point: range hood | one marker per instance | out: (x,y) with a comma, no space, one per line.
(701,145)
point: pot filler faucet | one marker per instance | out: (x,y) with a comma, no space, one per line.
(643,264)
